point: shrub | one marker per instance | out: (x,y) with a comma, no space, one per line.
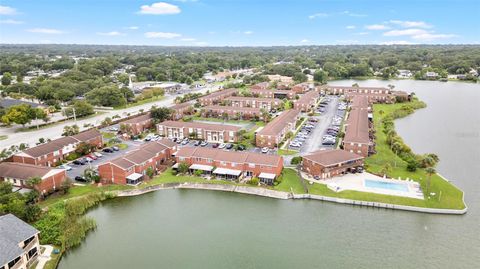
(296,160)
(253,181)
(198,173)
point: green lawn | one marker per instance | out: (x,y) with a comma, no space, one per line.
(108,135)
(77,191)
(287,152)
(451,197)
(222,120)
(3,137)
(141,102)
(290,181)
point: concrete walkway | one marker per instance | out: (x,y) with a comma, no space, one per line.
(45,257)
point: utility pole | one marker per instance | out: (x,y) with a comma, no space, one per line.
(74,115)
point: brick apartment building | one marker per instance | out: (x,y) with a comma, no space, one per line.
(217,133)
(357,133)
(263,103)
(303,87)
(216,97)
(182,109)
(18,175)
(324,164)
(231,165)
(274,132)
(279,94)
(139,124)
(242,113)
(307,101)
(260,86)
(51,153)
(131,168)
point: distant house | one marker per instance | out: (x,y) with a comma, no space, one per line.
(281,79)
(19,243)
(329,163)
(132,167)
(18,175)
(431,75)
(274,132)
(231,165)
(260,86)
(138,124)
(402,73)
(50,153)
(210,132)
(303,87)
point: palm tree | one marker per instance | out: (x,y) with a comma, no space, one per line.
(386,168)
(430,171)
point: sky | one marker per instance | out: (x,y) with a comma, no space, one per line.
(239,22)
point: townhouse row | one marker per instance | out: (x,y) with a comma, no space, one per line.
(307,101)
(358,134)
(215,133)
(239,113)
(230,165)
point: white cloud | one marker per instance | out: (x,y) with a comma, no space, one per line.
(188,39)
(350,27)
(11,22)
(418,34)
(406,32)
(165,35)
(185,1)
(112,33)
(46,31)
(377,27)
(432,36)
(362,33)
(318,15)
(132,28)
(248,32)
(5,10)
(348,13)
(409,24)
(160,8)
(399,42)
(304,41)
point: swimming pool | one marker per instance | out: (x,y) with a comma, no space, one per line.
(386,185)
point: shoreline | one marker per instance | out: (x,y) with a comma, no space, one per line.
(286,196)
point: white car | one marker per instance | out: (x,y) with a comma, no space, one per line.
(222,146)
(98,154)
(265,150)
(66,167)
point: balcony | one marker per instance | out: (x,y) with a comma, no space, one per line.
(30,244)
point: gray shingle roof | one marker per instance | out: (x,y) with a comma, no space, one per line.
(13,231)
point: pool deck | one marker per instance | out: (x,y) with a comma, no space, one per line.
(356,182)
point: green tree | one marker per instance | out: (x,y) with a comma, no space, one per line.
(430,171)
(110,96)
(70,130)
(150,172)
(183,167)
(320,76)
(160,114)
(6,78)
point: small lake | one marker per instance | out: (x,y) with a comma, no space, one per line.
(207,229)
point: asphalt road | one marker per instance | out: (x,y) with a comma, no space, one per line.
(55,131)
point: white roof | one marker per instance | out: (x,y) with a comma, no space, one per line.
(226,171)
(175,165)
(134,176)
(201,167)
(267,175)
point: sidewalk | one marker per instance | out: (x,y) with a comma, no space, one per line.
(45,257)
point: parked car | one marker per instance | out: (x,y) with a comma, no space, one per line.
(294,145)
(108,150)
(88,159)
(80,178)
(184,142)
(115,148)
(204,144)
(98,154)
(222,146)
(265,150)
(229,146)
(215,145)
(197,143)
(92,156)
(360,169)
(66,167)
(241,147)
(80,161)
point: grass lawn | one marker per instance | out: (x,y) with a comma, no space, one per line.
(290,182)
(108,135)
(447,195)
(287,152)
(222,120)
(55,259)
(141,102)
(168,177)
(3,137)
(77,191)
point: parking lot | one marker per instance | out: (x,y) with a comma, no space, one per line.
(314,138)
(77,170)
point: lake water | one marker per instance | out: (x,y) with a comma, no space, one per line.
(206,229)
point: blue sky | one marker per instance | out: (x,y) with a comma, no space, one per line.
(240,23)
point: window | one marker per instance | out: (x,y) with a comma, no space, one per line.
(12,263)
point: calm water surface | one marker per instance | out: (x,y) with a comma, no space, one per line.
(206,229)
